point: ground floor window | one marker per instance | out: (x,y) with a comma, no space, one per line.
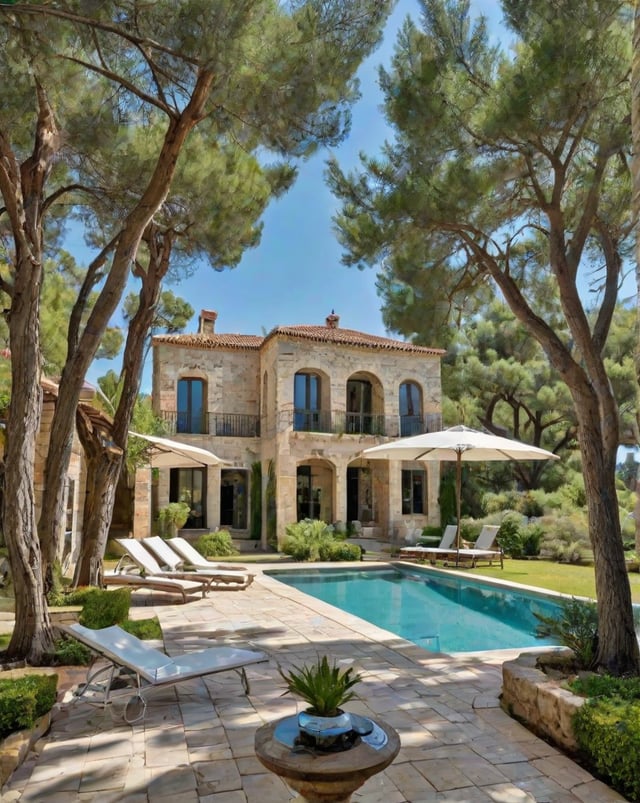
(188,485)
(308,497)
(414,485)
(233,499)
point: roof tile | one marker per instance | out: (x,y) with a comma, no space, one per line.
(318,334)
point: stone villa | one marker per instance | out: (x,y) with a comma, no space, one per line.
(293,410)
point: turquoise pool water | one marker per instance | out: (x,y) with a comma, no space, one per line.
(447,614)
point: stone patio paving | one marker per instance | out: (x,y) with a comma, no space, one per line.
(197,740)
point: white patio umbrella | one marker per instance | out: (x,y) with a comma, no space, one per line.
(167,453)
(457,444)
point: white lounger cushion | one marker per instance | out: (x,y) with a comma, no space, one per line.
(156,667)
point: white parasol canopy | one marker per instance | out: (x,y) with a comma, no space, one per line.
(457,444)
(167,453)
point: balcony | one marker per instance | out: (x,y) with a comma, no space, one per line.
(340,422)
(235,425)
(336,422)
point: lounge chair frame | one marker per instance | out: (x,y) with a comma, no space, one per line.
(193,559)
(474,554)
(174,562)
(430,553)
(129,576)
(137,555)
(132,665)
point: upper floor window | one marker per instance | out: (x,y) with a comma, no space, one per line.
(410,409)
(306,402)
(359,406)
(191,404)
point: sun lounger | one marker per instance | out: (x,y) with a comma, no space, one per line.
(192,557)
(123,576)
(133,664)
(141,557)
(483,549)
(430,553)
(168,556)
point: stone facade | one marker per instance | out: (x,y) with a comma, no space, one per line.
(305,400)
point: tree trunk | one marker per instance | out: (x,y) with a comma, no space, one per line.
(617,643)
(598,438)
(32,636)
(82,352)
(106,464)
(103,467)
(22,187)
(635,209)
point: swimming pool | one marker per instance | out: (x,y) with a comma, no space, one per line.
(436,612)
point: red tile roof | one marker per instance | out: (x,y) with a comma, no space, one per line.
(318,334)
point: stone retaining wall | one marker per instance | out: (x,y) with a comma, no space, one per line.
(539,701)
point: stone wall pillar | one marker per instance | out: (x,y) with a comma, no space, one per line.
(142,512)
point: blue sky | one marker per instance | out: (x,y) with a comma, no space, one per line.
(295,276)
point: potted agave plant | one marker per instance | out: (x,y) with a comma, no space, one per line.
(325,688)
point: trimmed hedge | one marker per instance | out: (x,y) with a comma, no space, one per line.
(24,700)
(608,733)
(103,608)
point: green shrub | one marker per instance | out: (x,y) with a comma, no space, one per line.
(608,733)
(498,502)
(532,536)
(56,592)
(509,536)
(304,540)
(566,538)
(68,651)
(78,596)
(216,545)
(314,540)
(606,686)
(143,628)
(470,530)
(104,608)
(529,506)
(576,628)
(172,517)
(24,700)
(339,550)
(565,552)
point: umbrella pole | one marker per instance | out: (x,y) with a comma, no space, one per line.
(458,502)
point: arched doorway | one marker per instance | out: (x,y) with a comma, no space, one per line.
(315,482)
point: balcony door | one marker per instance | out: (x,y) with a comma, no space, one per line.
(191,404)
(410,409)
(306,402)
(359,406)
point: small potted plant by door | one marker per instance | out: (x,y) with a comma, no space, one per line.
(325,688)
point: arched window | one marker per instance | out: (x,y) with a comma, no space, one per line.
(306,402)
(191,406)
(359,406)
(410,409)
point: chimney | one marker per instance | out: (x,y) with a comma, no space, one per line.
(333,320)
(207,324)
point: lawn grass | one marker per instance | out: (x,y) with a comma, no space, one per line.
(578,581)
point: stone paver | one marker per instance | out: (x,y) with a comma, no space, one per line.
(195,744)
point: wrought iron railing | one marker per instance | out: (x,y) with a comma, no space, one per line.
(340,422)
(236,425)
(336,422)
